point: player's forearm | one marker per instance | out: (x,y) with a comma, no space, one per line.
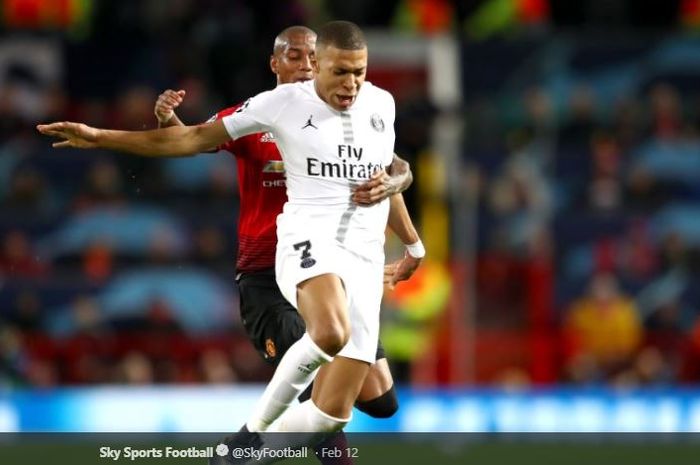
(165,142)
(400,221)
(401,170)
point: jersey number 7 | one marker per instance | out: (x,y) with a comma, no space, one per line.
(306,260)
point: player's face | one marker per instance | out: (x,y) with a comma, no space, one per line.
(339,75)
(295,62)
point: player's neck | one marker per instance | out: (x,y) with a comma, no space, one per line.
(318,94)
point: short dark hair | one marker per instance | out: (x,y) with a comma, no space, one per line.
(341,34)
(282,39)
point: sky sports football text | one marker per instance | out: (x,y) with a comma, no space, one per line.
(133,453)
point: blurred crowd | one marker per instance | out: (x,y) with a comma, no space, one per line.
(589,177)
(119,269)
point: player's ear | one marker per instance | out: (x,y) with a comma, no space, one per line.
(273,64)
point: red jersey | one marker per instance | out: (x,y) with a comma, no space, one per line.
(262,189)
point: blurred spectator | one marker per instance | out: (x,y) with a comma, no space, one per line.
(582,122)
(98,262)
(644,193)
(666,112)
(215,368)
(674,252)
(652,368)
(87,344)
(162,246)
(668,321)
(27,312)
(211,248)
(690,371)
(42,374)
(627,122)
(87,317)
(135,369)
(521,201)
(513,379)
(604,193)
(14,360)
(83,317)
(104,187)
(539,112)
(603,331)
(637,253)
(29,194)
(17,257)
(134,109)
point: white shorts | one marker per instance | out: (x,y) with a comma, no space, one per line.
(300,257)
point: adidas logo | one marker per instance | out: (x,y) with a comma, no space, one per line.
(308,368)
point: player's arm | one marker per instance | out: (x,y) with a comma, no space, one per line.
(171,141)
(255,115)
(400,173)
(383,184)
(400,222)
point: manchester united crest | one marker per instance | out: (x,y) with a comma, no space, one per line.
(270,348)
(377,122)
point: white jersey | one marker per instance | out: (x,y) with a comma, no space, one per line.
(326,152)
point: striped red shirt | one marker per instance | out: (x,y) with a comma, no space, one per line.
(263,192)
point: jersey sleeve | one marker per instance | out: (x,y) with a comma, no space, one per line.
(257,114)
(229,145)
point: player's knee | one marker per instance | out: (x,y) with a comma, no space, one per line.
(331,338)
(384,406)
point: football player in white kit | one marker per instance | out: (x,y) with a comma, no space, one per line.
(333,133)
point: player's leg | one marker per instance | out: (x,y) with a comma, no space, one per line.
(322,303)
(377,397)
(273,325)
(336,387)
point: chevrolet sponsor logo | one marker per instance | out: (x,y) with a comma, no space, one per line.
(274,166)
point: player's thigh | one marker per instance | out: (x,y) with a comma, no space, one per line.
(270,321)
(322,302)
(337,385)
(309,271)
(377,382)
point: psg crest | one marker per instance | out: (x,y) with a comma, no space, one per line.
(377,122)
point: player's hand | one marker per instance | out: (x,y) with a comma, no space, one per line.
(166,104)
(400,270)
(379,187)
(76,135)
